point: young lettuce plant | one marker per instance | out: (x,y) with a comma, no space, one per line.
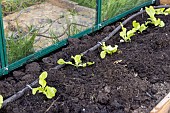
(153,20)
(77,60)
(107,50)
(162,11)
(47,90)
(139,27)
(1,101)
(126,35)
(159,11)
(167,11)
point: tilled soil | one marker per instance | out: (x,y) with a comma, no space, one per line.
(133,80)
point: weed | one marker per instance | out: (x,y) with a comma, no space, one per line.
(54,35)
(11,6)
(111,8)
(19,44)
(72,27)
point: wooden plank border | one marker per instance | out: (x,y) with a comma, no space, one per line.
(163,106)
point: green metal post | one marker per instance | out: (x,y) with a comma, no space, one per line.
(98,14)
(2,44)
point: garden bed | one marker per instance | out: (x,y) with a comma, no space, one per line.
(133,80)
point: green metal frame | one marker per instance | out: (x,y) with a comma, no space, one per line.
(5,69)
(98,13)
(3,54)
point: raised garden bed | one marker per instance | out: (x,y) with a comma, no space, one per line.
(133,80)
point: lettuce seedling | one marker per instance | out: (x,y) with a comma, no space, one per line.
(153,20)
(77,60)
(107,50)
(138,27)
(159,11)
(47,90)
(150,11)
(167,11)
(156,22)
(1,101)
(126,35)
(162,11)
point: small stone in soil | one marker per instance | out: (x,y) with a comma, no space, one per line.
(107,89)
(116,104)
(102,98)
(83,110)
(83,74)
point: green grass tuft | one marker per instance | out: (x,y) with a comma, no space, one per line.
(111,8)
(20,45)
(11,6)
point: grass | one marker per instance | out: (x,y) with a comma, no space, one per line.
(73,30)
(72,27)
(11,6)
(91,4)
(111,8)
(20,45)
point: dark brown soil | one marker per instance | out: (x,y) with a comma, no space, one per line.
(134,85)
